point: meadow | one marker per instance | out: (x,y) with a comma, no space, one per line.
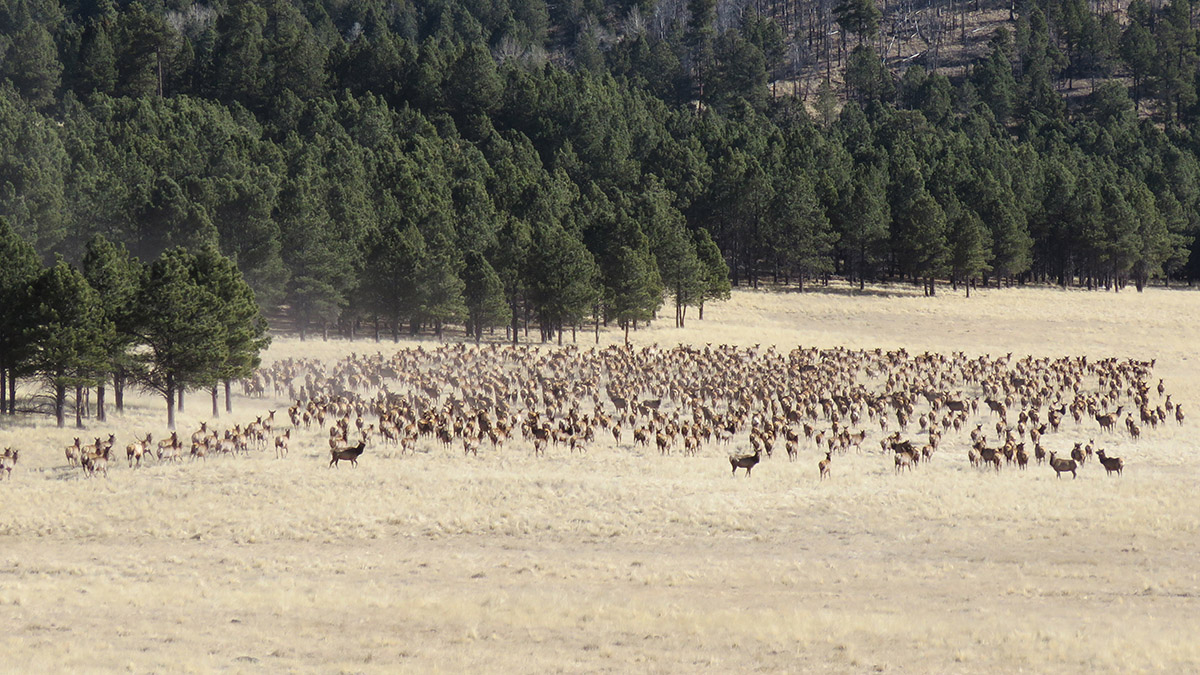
(622,560)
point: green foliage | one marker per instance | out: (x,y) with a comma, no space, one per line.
(21,267)
(245,329)
(484,295)
(348,156)
(68,332)
(860,17)
(714,273)
(563,278)
(178,320)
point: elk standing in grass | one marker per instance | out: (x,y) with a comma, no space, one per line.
(823,466)
(1061,466)
(1111,464)
(347,454)
(7,461)
(135,450)
(281,444)
(746,462)
(75,452)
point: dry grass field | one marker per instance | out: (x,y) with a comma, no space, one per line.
(624,561)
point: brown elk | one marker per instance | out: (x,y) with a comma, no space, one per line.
(746,462)
(282,442)
(1111,464)
(1061,466)
(347,454)
(1108,421)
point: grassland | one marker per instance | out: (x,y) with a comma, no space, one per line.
(622,560)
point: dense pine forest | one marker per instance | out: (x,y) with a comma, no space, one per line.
(404,166)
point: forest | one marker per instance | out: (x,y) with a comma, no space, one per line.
(409,165)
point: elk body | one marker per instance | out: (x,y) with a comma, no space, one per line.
(1111,464)
(347,454)
(1062,466)
(746,462)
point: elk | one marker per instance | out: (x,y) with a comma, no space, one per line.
(281,444)
(136,449)
(1111,464)
(347,454)
(74,452)
(7,461)
(823,466)
(1022,457)
(1061,466)
(171,446)
(1076,454)
(746,462)
(1108,421)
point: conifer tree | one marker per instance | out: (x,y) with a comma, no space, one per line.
(484,296)
(177,319)
(18,272)
(68,335)
(116,278)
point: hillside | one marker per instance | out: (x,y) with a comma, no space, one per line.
(409,166)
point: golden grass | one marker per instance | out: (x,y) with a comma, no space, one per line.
(622,560)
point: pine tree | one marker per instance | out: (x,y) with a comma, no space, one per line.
(714,272)
(441,291)
(31,64)
(562,279)
(245,329)
(864,230)
(860,17)
(116,278)
(68,335)
(969,245)
(484,295)
(177,319)
(17,274)
(918,222)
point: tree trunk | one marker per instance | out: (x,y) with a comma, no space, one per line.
(80,401)
(12,392)
(171,408)
(3,388)
(60,402)
(228,400)
(101,414)
(179,396)
(216,400)
(119,391)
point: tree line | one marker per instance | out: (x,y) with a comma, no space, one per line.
(185,321)
(405,166)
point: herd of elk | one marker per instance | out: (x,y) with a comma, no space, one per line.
(685,397)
